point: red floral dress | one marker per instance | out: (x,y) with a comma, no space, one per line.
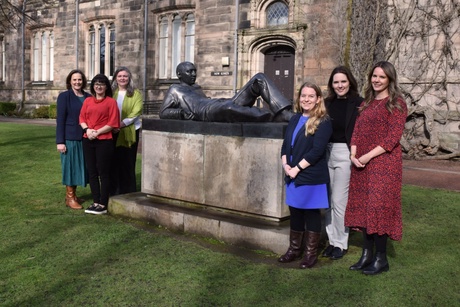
(374,200)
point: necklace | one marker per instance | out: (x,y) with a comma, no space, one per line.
(379,102)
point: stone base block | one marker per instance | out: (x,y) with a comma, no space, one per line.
(230,166)
(229,227)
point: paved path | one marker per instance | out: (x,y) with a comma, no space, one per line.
(437,174)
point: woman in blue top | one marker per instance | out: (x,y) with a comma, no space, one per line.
(303,155)
(69,136)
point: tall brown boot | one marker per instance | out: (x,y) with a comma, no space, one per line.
(77,199)
(70,199)
(294,251)
(311,250)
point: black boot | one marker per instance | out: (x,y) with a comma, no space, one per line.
(364,261)
(378,265)
(294,251)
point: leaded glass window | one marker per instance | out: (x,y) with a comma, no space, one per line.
(277,14)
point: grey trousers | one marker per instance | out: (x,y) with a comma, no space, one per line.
(339,170)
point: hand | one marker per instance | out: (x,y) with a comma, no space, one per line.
(287,168)
(357,162)
(293,171)
(364,159)
(92,134)
(61,148)
(186,115)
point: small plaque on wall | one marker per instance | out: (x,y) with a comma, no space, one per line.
(221,73)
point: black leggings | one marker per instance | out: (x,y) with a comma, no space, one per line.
(98,155)
(380,241)
(309,217)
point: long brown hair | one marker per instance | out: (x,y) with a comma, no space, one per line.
(318,114)
(394,91)
(353,90)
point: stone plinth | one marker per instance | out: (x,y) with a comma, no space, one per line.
(235,167)
(216,180)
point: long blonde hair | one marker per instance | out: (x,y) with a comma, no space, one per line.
(318,114)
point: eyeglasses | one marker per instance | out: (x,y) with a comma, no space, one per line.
(99,85)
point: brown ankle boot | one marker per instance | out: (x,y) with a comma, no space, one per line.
(311,250)
(77,199)
(70,199)
(294,251)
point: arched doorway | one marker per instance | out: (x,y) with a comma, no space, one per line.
(279,66)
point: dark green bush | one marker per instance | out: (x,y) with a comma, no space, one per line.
(7,108)
(41,112)
(53,111)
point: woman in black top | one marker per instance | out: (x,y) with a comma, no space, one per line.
(342,105)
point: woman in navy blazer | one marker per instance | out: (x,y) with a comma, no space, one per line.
(69,136)
(304,159)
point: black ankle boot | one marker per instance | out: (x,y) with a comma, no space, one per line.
(378,265)
(364,261)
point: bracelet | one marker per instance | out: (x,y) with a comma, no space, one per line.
(84,129)
(352,156)
(299,167)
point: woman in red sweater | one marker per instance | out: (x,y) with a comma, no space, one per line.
(98,117)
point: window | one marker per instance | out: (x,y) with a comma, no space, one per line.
(190,38)
(277,14)
(2,59)
(43,56)
(101,49)
(176,43)
(163,48)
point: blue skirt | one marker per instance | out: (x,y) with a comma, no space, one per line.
(307,196)
(73,165)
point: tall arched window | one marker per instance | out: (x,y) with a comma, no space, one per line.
(43,56)
(176,42)
(277,14)
(2,59)
(163,48)
(190,38)
(101,49)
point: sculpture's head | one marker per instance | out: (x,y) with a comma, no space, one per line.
(186,72)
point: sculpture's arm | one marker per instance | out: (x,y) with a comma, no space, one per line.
(170,108)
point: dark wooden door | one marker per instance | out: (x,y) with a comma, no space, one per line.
(279,66)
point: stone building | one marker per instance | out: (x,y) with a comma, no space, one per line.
(292,41)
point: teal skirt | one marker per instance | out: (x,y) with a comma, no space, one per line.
(73,165)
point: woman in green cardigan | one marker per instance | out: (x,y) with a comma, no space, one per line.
(129,100)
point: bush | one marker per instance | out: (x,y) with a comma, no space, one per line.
(41,112)
(7,108)
(53,111)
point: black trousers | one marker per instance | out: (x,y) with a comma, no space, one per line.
(98,156)
(123,168)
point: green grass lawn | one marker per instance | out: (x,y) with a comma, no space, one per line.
(53,256)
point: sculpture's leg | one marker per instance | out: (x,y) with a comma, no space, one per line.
(260,85)
(231,112)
